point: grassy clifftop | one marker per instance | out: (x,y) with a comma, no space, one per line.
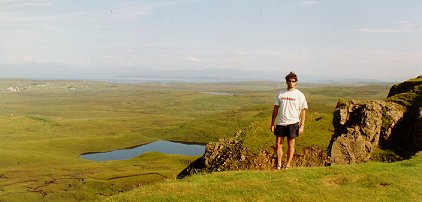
(407,93)
(370,181)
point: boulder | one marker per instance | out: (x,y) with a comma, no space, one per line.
(360,127)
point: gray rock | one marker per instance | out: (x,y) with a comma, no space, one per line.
(359,127)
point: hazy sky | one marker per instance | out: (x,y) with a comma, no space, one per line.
(361,38)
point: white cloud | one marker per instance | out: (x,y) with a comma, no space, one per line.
(125,12)
(131,12)
(307,3)
(18,17)
(378,30)
(406,24)
(253,53)
(135,11)
(239,53)
(191,58)
(14,4)
(12,11)
(402,26)
(15,11)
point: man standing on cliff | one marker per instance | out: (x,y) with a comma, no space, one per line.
(289,109)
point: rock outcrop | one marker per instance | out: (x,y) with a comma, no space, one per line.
(228,154)
(231,154)
(360,127)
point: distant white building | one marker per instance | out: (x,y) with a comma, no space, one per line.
(13,89)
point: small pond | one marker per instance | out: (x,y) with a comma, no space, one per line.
(162,146)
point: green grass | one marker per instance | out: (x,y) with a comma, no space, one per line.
(375,181)
(408,93)
(46,126)
(318,131)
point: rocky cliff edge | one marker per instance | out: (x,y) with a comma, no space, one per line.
(360,128)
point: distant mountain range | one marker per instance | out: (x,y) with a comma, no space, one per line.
(133,74)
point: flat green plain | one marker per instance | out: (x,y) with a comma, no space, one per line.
(46,125)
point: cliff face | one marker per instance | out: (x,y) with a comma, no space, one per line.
(360,128)
(394,124)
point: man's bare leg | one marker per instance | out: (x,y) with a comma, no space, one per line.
(290,151)
(279,150)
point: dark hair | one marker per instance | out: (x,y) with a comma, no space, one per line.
(291,75)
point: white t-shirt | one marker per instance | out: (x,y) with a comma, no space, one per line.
(290,104)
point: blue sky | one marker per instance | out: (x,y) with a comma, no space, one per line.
(374,39)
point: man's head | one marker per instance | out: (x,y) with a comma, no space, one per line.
(290,76)
(291,80)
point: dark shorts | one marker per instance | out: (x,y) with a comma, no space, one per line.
(290,131)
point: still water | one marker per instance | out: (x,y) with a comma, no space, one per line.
(162,146)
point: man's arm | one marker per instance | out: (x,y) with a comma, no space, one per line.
(275,112)
(302,121)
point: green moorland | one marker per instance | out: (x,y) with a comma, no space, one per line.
(46,125)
